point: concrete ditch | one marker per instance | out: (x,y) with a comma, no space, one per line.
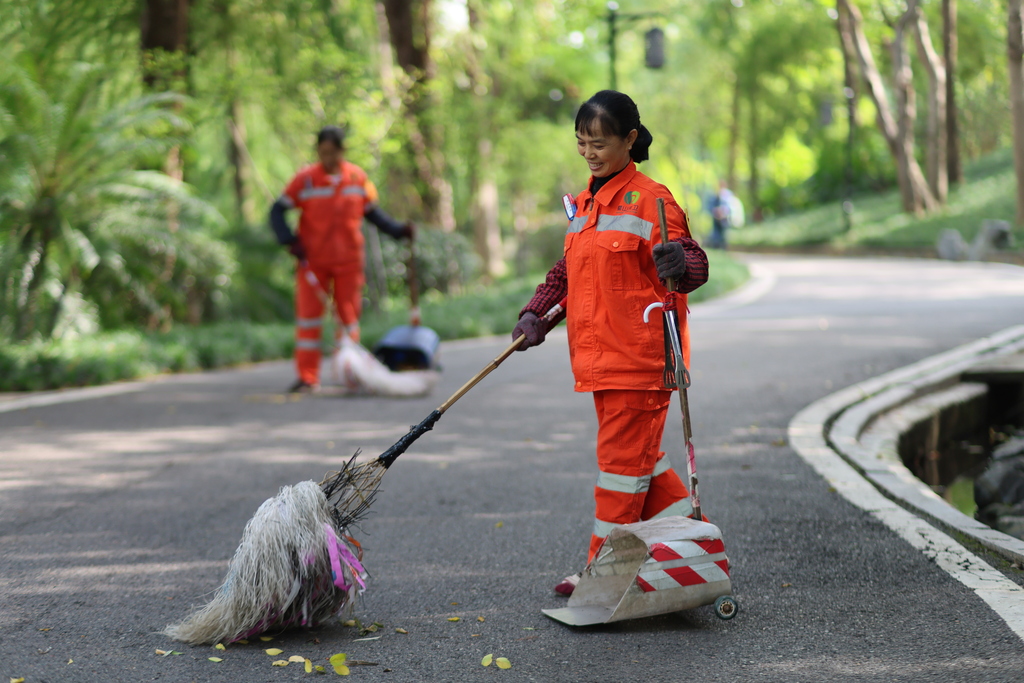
(912,415)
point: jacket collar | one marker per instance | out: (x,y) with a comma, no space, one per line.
(612,188)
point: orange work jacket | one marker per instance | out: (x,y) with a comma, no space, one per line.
(612,279)
(333,206)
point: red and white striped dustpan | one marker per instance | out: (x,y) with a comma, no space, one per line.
(654,567)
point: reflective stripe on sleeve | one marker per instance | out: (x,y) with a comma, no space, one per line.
(634,225)
(623,483)
(354,189)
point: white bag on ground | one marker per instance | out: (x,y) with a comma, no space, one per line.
(360,372)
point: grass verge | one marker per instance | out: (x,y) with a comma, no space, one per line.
(879,224)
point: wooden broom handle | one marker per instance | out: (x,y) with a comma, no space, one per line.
(555,310)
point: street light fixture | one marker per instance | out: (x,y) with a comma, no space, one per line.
(654,40)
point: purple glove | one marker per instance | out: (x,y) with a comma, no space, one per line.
(297,250)
(670,259)
(533,328)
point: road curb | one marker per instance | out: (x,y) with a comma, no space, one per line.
(827,435)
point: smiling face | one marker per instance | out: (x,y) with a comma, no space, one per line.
(605,153)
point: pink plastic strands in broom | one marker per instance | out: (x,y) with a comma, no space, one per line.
(292,567)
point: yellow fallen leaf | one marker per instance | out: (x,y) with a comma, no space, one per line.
(499,525)
(350,622)
(219,646)
(215,659)
(71,661)
(475,635)
(48,628)
(266,639)
(338,659)
(401,630)
(161,652)
(453,618)
(479,618)
(503,663)
(320,669)
(273,652)
(18,680)
(243,641)
(309,666)
(486,661)
(296,658)
(279,662)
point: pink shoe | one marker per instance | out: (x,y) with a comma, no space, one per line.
(568,584)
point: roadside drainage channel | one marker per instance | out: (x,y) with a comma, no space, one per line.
(867,434)
(851,439)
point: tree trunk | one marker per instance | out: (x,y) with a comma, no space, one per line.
(899,136)
(935,154)
(734,137)
(409,28)
(1015,54)
(483,181)
(846,41)
(163,37)
(954,168)
(754,186)
(242,176)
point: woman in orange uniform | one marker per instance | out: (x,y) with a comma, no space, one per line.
(334,197)
(614,266)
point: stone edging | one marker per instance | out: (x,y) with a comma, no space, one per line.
(842,423)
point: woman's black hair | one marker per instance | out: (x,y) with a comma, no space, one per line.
(613,112)
(335,134)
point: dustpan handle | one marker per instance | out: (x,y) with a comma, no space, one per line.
(414,285)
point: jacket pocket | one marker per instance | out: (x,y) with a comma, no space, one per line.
(618,260)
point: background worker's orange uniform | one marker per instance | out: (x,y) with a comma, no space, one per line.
(609,277)
(330,239)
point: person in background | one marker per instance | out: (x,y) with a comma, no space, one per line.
(334,197)
(720,207)
(614,266)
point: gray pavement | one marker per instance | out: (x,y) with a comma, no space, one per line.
(119,512)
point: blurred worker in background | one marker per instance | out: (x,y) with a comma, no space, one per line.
(720,207)
(334,196)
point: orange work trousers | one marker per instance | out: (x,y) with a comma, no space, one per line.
(635,481)
(313,286)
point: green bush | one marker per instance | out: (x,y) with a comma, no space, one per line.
(115,356)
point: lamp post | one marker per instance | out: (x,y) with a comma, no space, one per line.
(654,56)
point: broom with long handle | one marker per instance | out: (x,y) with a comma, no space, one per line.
(293,566)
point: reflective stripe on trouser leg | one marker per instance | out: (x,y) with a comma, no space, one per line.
(309,310)
(630,424)
(667,495)
(348,284)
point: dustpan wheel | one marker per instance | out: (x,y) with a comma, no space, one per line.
(726,607)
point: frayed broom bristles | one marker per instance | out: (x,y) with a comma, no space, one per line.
(281,575)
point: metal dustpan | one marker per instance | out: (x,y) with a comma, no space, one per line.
(412,346)
(654,567)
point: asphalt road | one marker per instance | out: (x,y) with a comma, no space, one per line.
(119,513)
